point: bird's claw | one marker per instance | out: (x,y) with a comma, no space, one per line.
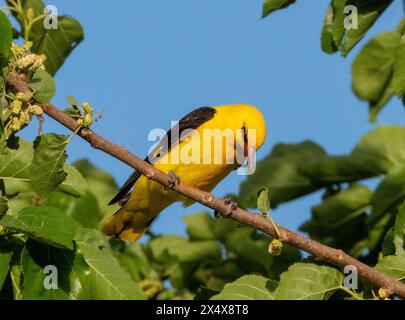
(173,180)
(232,206)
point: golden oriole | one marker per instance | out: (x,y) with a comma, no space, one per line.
(204,152)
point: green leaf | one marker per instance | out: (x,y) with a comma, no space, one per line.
(56,44)
(390,193)
(249,287)
(74,184)
(43,86)
(3,206)
(263,201)
(15,163)
(252,253)
(368,13)
(279,173)
(399,69)
(185,251)
(161,246)
(308,281)
(333,28)
(200,226)
(373,67)
(6,253)
(72,101)
(6,35)
(204,293)
(134,261)
(382,149)
(376,106)
(107,279)
(44,224)
(339,221)
(20,195)
(393,266)
(84,210)
(270,6)
(388,248)
(47,164)
(294,170)
(101,184)
(69,271)
(197,251)
(399,232)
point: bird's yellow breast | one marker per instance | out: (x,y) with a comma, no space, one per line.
(202,159)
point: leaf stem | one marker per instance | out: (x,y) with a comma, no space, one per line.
(351,293)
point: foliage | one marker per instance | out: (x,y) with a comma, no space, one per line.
(378,70)
(51,211)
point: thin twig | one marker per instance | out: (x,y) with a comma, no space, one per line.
(318,250)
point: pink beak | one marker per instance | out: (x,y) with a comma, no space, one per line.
(251,158)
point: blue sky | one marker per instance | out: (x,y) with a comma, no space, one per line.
(146,63)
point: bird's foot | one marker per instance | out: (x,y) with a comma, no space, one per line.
(232,206)
(173,180)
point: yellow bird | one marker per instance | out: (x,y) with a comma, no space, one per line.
(210,143)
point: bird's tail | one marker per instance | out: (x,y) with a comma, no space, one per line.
(126,225)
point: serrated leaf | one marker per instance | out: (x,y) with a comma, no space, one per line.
(56,44)
(44,224)
(308,281)
(69,268)
(15,163)
(43,86)
(270,6)
(47,164)
(6,35)
(368,13)
(393,266)
(373,67)
(249,287)
(107,279)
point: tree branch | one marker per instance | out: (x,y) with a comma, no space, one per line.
(318,250)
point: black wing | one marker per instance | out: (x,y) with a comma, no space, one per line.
(191,121)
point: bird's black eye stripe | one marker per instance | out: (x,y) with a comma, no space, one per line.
(245,136)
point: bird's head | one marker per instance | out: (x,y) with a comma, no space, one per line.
(251,122)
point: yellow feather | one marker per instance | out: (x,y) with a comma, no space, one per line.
(149,198)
